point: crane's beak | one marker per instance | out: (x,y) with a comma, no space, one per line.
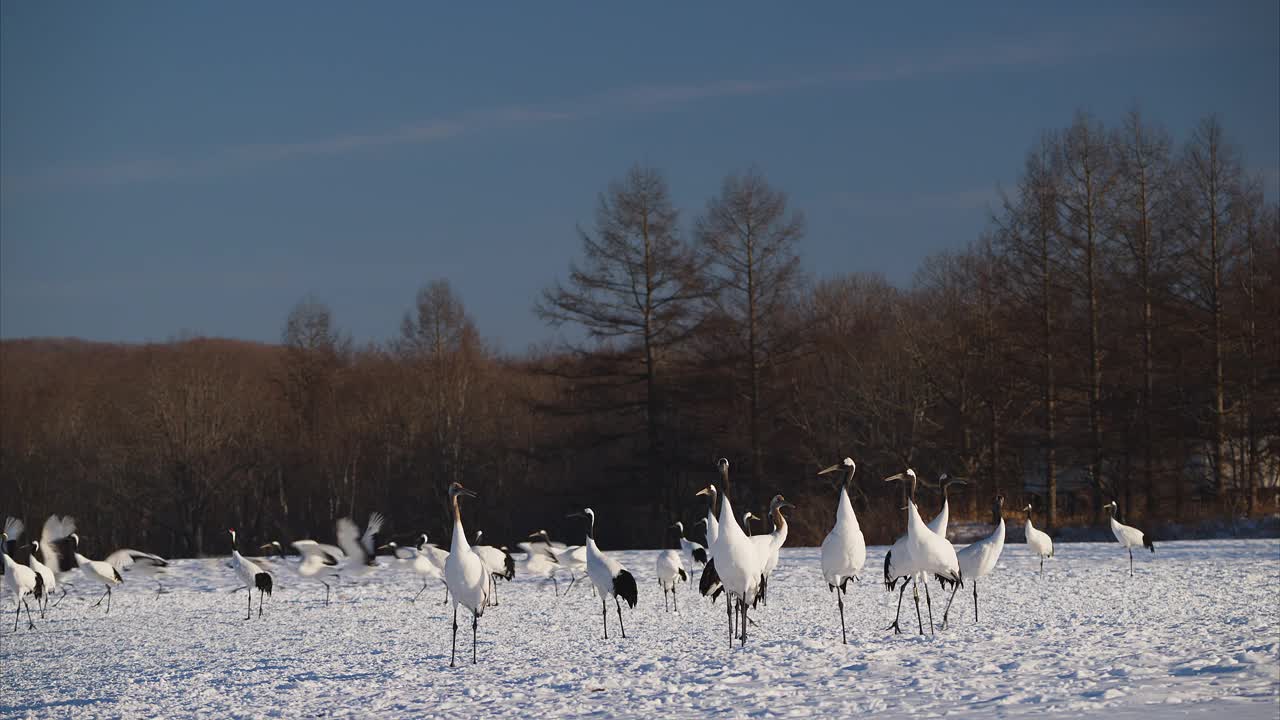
(576,514)
(384,547)
(703,521)
(831,469)
(786,505)
(468,493)
(891,478)
(704,491)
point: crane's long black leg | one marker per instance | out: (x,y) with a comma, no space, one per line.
(326,593)
(743,612)
(494,581)
(31,624)
(104,597)
(475,623)
(897,629)
(60,597)
(17,613)
(424,589)
(675,604)
(915,592)
(1041,566)
(604,615)
(108,600)
(728,606)
(665,607)
(954,589)
(572,579)
(453,652)
(844,636)
(929,602)
(261,596)
(618,605)
(557,584)
(446,594)
(248,613)
(1130,562)
(975,600)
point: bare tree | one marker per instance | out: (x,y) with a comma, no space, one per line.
(633,293)
(1087,175)
(1143,207)
(749,237)
(1211,177)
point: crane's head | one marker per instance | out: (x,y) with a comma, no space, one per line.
(778,502)
(422,540)
(389,546)
(479,534)
(456,489)
(1110,506)
(723,466)
(75,540)
(703,521)
(678,526)
(709,491)
(999,501)
(848,465)
(35,546)
(1027,509)
(748,515)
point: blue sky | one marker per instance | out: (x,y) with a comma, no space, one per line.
(179,168)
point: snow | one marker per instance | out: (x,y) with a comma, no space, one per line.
(1196,633)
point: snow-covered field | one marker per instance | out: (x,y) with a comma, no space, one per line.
(1196,633)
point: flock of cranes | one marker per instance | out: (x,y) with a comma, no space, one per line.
(735,563)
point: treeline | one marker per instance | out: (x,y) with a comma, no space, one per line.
(1115,333)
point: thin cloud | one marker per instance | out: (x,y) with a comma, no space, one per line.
(1042,49)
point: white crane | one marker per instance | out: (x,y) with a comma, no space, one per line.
(499,562)
(734,561)
(844,551)
(428,562)
(137,562)
(939,523)
(697,553)
(466,575)
(670,571)
(569,558)
(55,550)
(920,552)
(539,561)
(980,558)
(361,550)
(1038,541)
(771,544)
(96,571)
(316,562)
(1128,537)
(251,575)
(19,579)
(608,576)
(48,581)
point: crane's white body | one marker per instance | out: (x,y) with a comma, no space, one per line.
(1039,542)
(739,562)
(465,574)
(922,551)
(670,569)
(138,563)
(21,581)
(691,548)
(979,559)
(360,549)
(1128,537)
(844,550)
(713,525)
(601,569)
(539,560)
(318,559)
(45,573)
(98,571)
(493,558)
(246,569)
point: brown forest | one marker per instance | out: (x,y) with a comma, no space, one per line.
(1115,333)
